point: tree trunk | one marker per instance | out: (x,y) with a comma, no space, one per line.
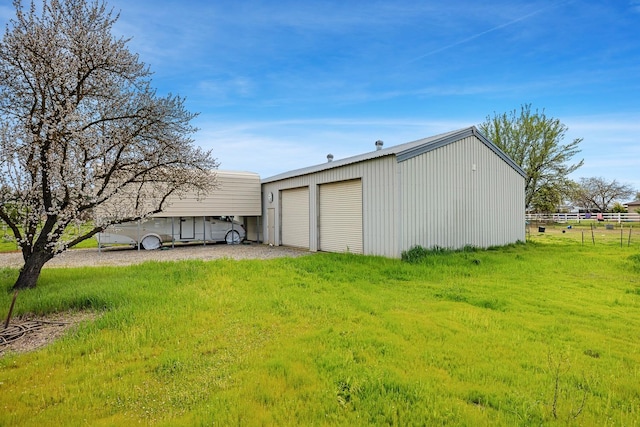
(31,270)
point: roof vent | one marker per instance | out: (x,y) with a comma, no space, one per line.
(379,145)
(329,157)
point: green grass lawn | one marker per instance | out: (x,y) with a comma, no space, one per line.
(546,332)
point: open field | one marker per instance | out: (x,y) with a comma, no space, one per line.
(590,233)
(546,332)
(8,243)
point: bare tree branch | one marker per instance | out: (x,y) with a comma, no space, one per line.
(598,194)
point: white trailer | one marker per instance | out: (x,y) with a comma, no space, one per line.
(221,216)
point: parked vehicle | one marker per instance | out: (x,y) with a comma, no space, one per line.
(153,232)
(193,217)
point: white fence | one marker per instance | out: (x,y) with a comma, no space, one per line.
(578,217)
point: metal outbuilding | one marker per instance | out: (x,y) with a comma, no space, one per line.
(449,191)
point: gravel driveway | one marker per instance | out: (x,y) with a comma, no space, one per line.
(128,256)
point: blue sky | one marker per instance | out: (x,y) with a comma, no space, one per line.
(280,84)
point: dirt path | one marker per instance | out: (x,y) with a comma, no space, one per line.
(129,256)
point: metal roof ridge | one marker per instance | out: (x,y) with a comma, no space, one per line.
(357,158)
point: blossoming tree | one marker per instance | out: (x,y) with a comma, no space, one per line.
(82,132)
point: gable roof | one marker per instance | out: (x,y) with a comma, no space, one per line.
(403,152)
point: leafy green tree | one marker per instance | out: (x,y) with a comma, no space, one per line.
(80,126)
(546,199)
(534,141)
(618,208)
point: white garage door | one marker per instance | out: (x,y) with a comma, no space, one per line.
(341,217)
(295,217)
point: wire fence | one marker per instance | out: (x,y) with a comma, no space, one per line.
(623,234)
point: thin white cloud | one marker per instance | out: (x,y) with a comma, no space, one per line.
(272,147)
(488,31)
(226,89)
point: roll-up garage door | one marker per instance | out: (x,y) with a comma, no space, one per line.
(295,217)
(341,217)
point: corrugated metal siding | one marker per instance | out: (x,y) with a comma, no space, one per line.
(341,217)
(236,193)
(446,203)
(295,217)
(379,201)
